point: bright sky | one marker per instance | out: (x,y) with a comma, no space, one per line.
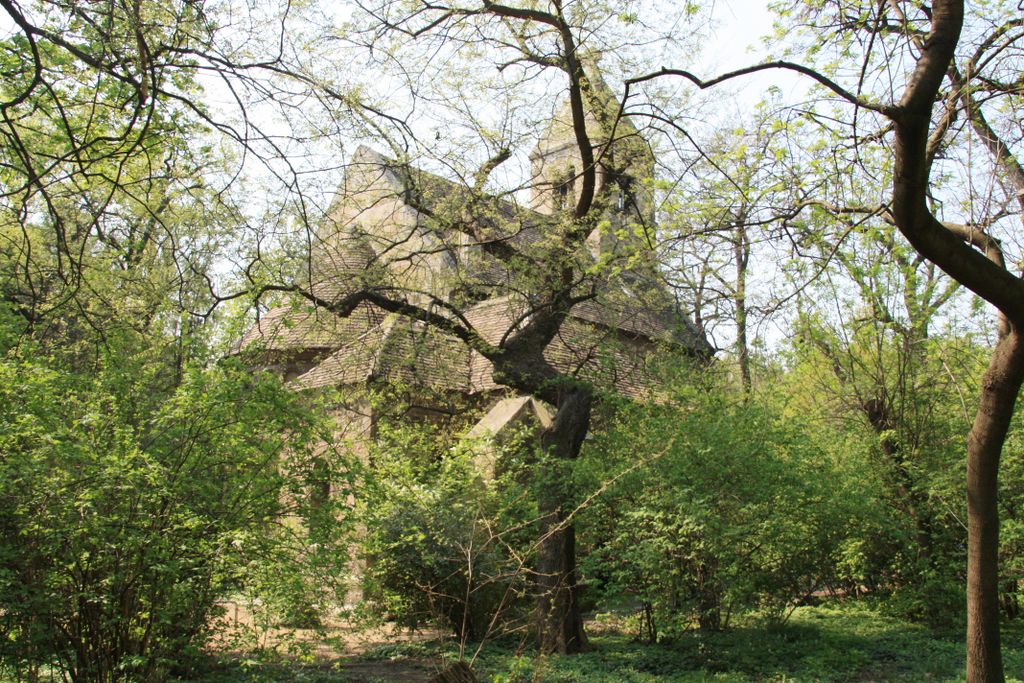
(739,27)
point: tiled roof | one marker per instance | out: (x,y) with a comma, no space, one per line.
(581,349)
(341,267)
(524,229)
(606,340)
(498,219)
(352,363)
(421,355)
(288,328)
(658,321)
(397,350)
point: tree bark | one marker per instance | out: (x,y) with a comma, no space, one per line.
(558,620)
(987,277)
(999,388)
(741,254)
(709,598)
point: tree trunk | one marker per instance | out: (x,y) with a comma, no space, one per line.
(999,388)
(459,672)
(709,599)
(911,500)
(741,254)
(558,620)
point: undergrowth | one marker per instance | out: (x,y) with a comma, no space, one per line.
(850,641)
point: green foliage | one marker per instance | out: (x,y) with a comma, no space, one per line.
(900,396)
(133,501)
(836,642)
(442,545)
(1011,515)
(713,505)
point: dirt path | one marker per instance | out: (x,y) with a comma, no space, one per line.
(356,653)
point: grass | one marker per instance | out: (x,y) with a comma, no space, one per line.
(846,643)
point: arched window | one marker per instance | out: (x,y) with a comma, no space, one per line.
(562,195)
(622,186)
(563,189)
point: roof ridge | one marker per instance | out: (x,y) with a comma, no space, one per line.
(397,167)
(387,328)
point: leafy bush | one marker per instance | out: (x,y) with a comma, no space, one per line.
(442,545)
(901,397)
(133,501)
(1011,515)
(712,505)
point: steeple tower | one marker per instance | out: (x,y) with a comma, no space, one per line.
(625,166)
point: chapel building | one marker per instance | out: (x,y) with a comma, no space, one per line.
(397,226)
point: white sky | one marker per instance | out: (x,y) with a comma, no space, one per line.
(739,27)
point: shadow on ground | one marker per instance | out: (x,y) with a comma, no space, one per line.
(845,642)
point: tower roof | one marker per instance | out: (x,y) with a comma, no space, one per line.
(604,122)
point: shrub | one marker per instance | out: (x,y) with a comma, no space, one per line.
(442,546)
(713,504)
(132,503)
